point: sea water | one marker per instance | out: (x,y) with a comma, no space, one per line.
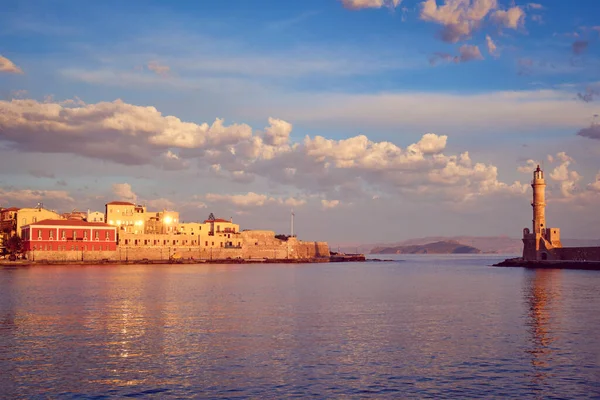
(421,326)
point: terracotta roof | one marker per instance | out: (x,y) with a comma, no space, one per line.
(10,209)
(216,220)
(69,222)
(120,203)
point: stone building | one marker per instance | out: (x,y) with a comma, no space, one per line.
(95,216)
(162,223)
(543,242)
(126,216)
(26,216)
(69,240)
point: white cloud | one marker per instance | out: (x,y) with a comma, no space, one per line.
(595,186)
(158,69)
(459,18)
(512,18)
(29,198)
(567,179)
(328,204)
(360,4)
(250,199)
(117,131)
(160,204)
(8,66)
(529,167)
(124,192)
(355,166)
(535,6)
(491,46)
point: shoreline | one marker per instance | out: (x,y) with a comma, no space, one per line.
(332,259)
(559,264)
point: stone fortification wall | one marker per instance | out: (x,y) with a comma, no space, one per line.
(577,253)
(254,245)
(40,255)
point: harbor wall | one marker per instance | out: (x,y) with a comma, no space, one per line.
(577,253)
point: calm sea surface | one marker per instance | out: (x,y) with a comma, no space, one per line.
(427,327)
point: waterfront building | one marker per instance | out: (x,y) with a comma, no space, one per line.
(69,240)
(218,225)
(191,228)
(8,221)
(126,216)
(543,243)
(78,215)
(95,216)
(162,223)
(26,216)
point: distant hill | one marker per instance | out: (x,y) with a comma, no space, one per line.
(442,247)
(487,244)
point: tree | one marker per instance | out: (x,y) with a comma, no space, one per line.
(13,245)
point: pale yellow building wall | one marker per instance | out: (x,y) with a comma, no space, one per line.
(26,216)
(193,228)
(128,218)
(95,216)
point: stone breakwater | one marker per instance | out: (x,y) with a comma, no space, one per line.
(520,262)
(349,258)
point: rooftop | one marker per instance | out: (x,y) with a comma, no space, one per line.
(69,222)
(120,203)
(11,209)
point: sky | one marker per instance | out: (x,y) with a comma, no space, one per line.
(373,120)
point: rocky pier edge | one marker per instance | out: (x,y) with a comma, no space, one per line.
(334,258)
(550,264)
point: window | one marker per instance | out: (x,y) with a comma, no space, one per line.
(97,235)
(34,220)
(64,234)
(39,234)
(74,235)
(51,235)
(84,235)
(24,221)
(107,236)
(206,243)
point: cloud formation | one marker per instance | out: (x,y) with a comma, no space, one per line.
(459,18)
(491,46)
(328,204)
(466,53)
(162,70)
(32,197)
(579,47)
(591,132)
(253,200)
(590,93)
(360,4)
(8,66)
(356,166)
(124,192)
(512,18)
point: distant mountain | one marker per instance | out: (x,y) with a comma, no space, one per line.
(442,247)
(487,244)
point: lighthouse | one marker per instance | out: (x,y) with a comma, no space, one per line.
(539,201)
(539,243)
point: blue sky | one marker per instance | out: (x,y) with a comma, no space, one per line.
(503,82)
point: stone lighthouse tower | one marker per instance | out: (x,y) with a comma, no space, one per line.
(540,243)
(539,201)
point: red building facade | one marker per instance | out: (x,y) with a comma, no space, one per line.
(69,235)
